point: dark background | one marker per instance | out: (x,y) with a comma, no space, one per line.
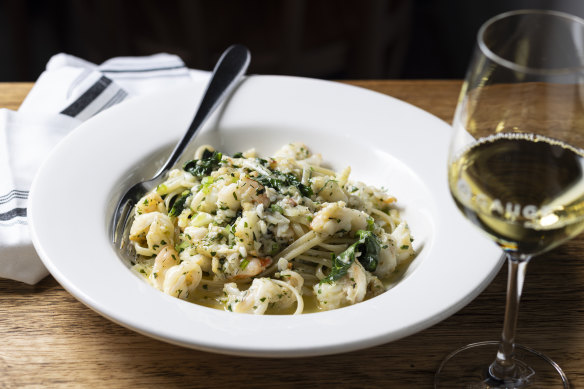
(331,39)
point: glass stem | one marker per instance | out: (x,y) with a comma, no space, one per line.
(504,366)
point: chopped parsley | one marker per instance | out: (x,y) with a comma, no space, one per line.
(277,208)
(280,181)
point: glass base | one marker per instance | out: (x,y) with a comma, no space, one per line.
(468,367)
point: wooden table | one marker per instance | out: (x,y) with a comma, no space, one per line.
(49,339)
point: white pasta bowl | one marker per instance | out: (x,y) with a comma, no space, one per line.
(386,142)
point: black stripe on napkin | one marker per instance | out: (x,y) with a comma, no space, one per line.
(13,213)
(13,194)
(142,70)
(118,97)
(86,98)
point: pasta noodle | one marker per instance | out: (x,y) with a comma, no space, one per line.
(275,235)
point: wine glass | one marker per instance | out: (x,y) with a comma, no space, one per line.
(516,170)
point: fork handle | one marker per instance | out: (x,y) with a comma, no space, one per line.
(226,75)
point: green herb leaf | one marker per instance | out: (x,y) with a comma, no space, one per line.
(341,264)
(369,248)
(204,166)
(179,204)
(367,245)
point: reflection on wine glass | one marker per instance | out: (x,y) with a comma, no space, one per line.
(516,170)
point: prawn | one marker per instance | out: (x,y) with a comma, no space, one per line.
(181,280)
(253,266)
(150,232)
(165,259)
(348,290)
(152,202)
(264,292)
(251,191)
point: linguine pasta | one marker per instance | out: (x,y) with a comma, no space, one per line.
(276,235)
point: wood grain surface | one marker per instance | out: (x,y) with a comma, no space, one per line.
(49,339)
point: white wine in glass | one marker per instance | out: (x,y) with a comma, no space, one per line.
(516,170)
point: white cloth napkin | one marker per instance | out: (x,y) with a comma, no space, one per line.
(70,91)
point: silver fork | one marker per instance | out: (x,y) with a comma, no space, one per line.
(226,75)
